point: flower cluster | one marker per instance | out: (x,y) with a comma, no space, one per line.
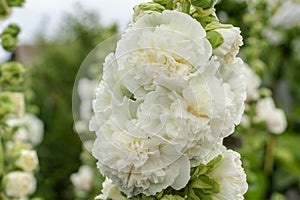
(169,95)
(19,134)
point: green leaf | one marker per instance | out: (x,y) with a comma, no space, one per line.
(215,39)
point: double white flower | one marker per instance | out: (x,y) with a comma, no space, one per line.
(164,104)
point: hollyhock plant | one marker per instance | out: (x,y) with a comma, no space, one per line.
(167,99)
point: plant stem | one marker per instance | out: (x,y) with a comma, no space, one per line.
(269,157)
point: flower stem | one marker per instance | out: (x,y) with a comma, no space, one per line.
(269,157)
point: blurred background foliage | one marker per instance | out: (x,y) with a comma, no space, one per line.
(271,48)
(51,78)
(272,162)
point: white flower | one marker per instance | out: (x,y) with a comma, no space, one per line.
(110,191)
(253,83)
(230,176)
(31,129)
(28,160)
(86,89)
(231,45)
(164,104)
(273,36)
(19,184)
(83,179)
(287,15)
(275,118)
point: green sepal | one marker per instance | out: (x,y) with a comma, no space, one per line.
(216,25)
(215,39)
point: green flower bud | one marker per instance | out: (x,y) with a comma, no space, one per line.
(9,42)
(146,8)
(6,105)
(11,73)
(215,38)
(168,4)
(15,3)
(4,9)
(12,29)
(205,4)
(151,6)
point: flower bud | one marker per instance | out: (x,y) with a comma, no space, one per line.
(5,10)
(18,103)
(168,4)
(19,184)
(11,73)
(215,39)
(12,29)
(8,42)
(205,4)
(146,8)
(6,105)
(28,160)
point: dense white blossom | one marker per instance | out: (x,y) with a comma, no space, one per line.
(164,104)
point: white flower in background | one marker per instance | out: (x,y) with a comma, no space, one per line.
(31,129)
(231,45)
(19,184)
(110,191)
(253,83)
(287,15)
(273,36)
(86,90)
(164,104)
(274,117)
(28,160)
(83,179)
(230,176)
